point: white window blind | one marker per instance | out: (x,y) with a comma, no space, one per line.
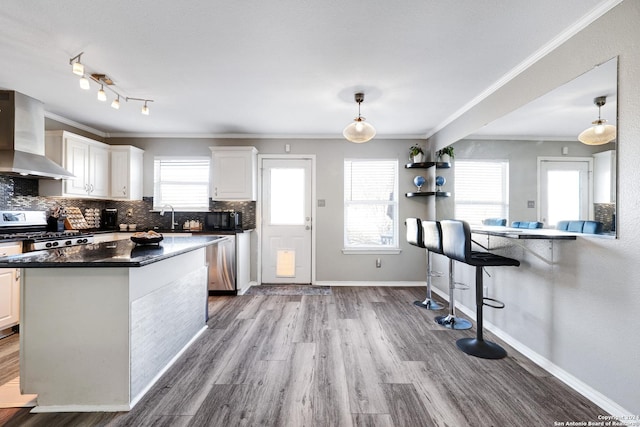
(182,183)
(481,190)
(370,204)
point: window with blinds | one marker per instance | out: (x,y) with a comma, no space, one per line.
(182,183)
(370,204)
(481,190)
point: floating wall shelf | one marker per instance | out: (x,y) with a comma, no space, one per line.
(428,193)
(426,165)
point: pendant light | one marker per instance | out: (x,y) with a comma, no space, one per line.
(600,133)
(359,131)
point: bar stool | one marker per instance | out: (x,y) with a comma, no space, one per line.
(456,244)
(426,235)
(451,321)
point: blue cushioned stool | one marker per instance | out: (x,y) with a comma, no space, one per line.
(579,226)
(426,235)
(456,244)
(494,221)
(526,224)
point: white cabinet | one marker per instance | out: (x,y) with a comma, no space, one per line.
(243,261)
(87,159)
(234,173)
(604,177)
(9,288)
(126,172)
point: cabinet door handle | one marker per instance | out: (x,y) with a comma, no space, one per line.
(124,190)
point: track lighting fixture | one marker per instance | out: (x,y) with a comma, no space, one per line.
(105,83)
(359,131)
(600,133)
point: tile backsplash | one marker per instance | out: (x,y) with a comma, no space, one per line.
(22,194)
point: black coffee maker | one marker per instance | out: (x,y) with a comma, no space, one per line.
(109,219)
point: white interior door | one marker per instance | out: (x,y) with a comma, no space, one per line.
(564,190)
(286,221)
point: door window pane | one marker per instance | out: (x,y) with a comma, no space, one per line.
(563,192)
(287,196)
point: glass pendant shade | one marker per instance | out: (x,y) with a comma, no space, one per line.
(116,103)
(78,68)
(599,134)
(102,96)
(359,131)
(145,109)
(84,83)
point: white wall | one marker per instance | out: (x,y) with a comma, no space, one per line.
(589,326)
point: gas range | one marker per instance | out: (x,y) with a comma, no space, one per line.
(52,240)
(29,227)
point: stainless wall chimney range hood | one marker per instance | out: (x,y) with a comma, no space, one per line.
(22,139)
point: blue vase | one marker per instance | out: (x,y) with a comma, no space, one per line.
(440,181)
(419,181)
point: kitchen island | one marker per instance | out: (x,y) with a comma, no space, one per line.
(100,323)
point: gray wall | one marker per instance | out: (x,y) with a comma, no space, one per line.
(332,264)
(590,324)
(523,169)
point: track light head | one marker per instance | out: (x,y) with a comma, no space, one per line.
(102,96)
(77,66)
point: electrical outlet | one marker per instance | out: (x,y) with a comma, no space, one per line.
(130,212)
(378,263)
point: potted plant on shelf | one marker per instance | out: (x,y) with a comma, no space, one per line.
(445,154)
(416,154)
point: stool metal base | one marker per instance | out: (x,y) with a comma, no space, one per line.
(453,322)
(481,348)
(429,304)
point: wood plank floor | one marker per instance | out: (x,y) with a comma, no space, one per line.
(359,357)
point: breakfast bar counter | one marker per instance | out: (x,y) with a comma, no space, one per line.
(523,233)
(102,322)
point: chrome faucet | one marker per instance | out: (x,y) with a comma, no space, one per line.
(173,215)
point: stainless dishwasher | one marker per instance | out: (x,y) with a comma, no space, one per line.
(221,257)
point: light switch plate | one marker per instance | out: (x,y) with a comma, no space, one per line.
(531,203)
(322,203)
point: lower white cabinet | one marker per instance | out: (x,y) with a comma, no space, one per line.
(9,288)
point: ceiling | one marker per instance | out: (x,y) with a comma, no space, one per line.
(286,68)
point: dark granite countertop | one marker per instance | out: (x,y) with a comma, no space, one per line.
(178,231)
(119,253)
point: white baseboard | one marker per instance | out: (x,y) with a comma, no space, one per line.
(368,283)
(584,389)
(242,291)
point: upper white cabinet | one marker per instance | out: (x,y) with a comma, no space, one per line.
(234,173)
(87,159)
(126,172)
(604,177)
